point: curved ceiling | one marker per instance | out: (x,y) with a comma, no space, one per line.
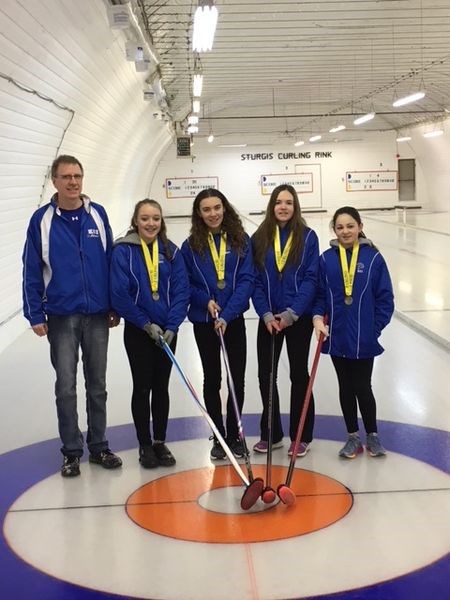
(288,70)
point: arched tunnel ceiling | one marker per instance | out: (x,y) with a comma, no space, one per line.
(287,70)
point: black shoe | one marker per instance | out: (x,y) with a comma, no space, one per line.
(147,457)
(236,447)
(163,454)
(217,452)
(106,459)
(70,466)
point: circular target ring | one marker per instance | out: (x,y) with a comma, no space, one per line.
(175,506)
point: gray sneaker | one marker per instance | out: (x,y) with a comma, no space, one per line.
(352,447)
(373,445)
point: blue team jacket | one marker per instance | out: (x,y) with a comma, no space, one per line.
(296,289)
(131,295)
(62,276)
(355,329)
(239,278)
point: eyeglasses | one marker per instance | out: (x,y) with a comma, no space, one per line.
(77,177)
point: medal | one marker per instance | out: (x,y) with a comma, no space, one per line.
(348,273)
(281,257)
(152,264)
(218,258)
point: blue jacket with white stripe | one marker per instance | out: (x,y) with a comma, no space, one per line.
(296,289)
(61,275)
(355,329)
(131,294)
(239,278)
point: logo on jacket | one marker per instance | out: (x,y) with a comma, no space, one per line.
(360,267)
(92,233)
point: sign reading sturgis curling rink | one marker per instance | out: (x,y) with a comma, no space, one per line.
(178,187)
(301,182)
(371,181)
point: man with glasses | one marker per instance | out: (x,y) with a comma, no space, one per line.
(66,298)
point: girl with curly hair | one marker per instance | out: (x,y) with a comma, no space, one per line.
(219,261)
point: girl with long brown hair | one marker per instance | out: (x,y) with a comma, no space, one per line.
(286,254)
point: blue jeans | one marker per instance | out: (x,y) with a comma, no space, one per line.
(66,335)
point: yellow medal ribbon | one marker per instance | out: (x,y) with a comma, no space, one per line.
(349,274)
(152,263)
(218,258)
(281,258)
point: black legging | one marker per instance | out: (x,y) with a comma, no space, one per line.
(208,343)
(355,389)
(298,340)
(150,370)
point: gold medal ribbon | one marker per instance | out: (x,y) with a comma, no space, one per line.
(349,273)
(281,257)
(218,258)
(152,263)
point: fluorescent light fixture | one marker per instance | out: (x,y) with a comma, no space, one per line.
(197,85)
(364,118)
(233,146)
(337,128)
(405,138)
(408,99)
(196,106)
(192,119)
(432,134)
(210,138)
(299,143)
(205,21)
(315,138)
(192,129)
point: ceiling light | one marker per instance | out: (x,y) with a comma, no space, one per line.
(299,143)
(315,138)
(192,129)
(233,146)
(364,118)
(196,106)
(192,119)
(408,99)
(197,86)
(432,134)
(210,138)
(205,21)
(405,138)
(337,128)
